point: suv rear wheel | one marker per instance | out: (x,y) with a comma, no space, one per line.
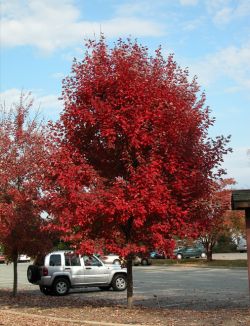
(61,286)
(119,282)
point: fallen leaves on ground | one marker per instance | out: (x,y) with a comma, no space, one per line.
(36,309)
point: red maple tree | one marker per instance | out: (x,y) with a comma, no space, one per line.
(22,163)
(133,152)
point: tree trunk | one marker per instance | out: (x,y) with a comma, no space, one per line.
(209,245)
(210,251)
(130,282)
(15,276)
(210,255)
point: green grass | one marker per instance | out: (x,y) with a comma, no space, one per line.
(201,262)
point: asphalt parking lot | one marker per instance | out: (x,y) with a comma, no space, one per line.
(163,286)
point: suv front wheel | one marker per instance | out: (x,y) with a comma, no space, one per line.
(61,286)
(119,282)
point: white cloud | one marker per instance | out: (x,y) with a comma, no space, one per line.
(225,11)
(10,96)
(223,16)
(126,26)
(214,5)
(58,75)
(49,25)
(131,8)
(192,24)
(189,2)
(231,62)
(243,9)
(48,105)
(238,167)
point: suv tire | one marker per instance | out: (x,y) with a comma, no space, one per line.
(119,282)
(33,273)
(61,286)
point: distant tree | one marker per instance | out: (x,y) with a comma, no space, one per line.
(133,153)
(23,158)
(213,215)
(236,224)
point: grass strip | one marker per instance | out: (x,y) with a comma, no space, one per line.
(201,262)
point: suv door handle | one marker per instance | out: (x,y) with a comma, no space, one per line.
(67,269)
(88,268)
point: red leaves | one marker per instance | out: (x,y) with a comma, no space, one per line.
(23,158)
(134,156)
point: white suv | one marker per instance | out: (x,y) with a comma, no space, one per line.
(242,245)
(63,270)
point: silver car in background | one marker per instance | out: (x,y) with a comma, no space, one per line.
(117,260)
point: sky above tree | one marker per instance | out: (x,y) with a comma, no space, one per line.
(211,37)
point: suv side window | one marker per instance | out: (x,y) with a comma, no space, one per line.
(55,260)
(72,260)
(91,261)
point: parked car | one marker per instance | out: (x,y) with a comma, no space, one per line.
(157,255)
(111,259)
(63,270)
(242,245)
(2,258)
(190,252)
(142,260)
(23,258)
(115,259)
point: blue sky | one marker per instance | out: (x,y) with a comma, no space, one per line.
(39,39)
